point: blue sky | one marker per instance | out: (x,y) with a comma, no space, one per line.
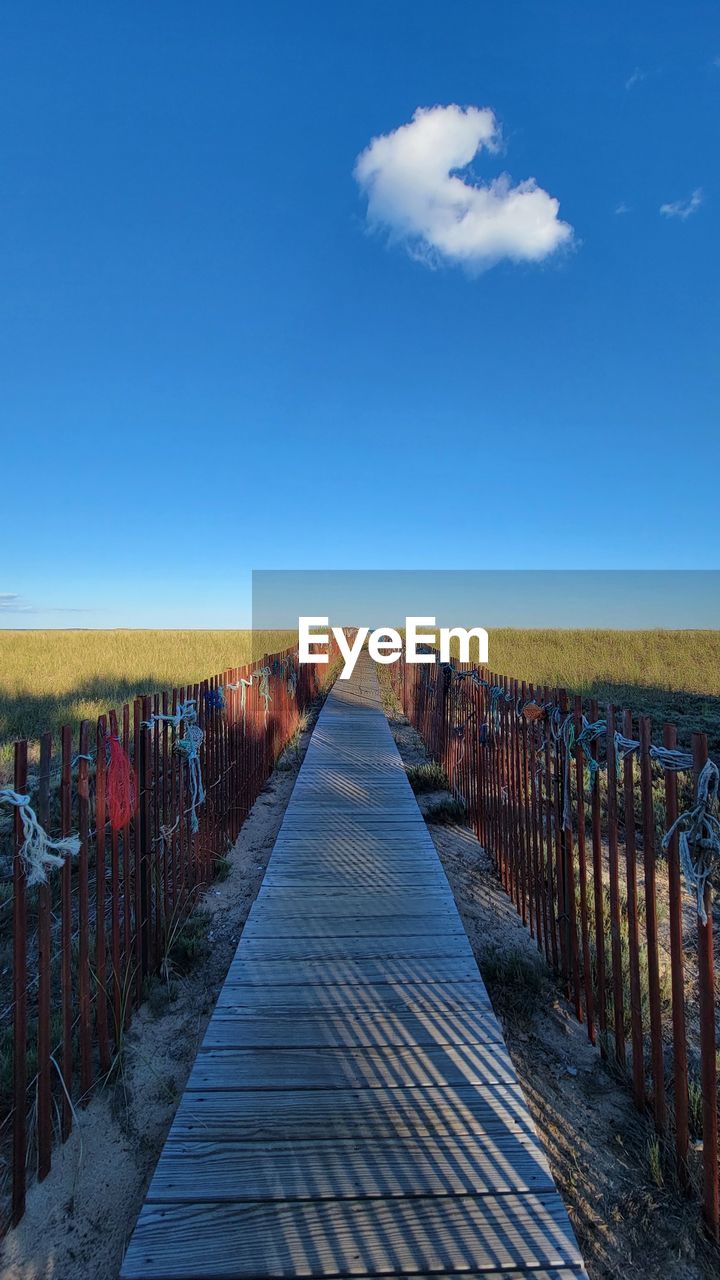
(211,363)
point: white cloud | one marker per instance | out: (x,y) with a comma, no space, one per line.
(622,207)
(636,78)
(412,183)
(683,208)
(11,603)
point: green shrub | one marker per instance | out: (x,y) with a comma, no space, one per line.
(427,777)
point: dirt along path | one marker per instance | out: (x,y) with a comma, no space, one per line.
(630,1224)
(78,1221)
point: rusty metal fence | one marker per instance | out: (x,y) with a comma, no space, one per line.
(81,945)
(579,810)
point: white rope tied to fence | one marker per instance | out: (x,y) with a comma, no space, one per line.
(36,848)
(243,685)
(671,759)
(263,675)
(699,836)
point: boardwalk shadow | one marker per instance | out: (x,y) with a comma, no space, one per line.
(28,714)
(690,712)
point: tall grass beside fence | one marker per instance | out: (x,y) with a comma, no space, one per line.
(53,678)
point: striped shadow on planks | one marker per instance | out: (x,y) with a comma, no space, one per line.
(353,1110)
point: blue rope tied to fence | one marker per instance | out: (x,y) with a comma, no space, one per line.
(189,746)
(473,675)
(699,836)
(624,747)
(215,699)
(562,732)
(671,759)
(498,695)
(263,675)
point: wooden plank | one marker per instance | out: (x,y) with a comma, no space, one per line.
(337,850)
(199,1171)
(342,917)
(302,884)
(270,1115)
(237,1028)
(444,997)
(365,970)
(341,1238)
(333,863)
(331,948)
(411,838)
(342,908)
(387,927)
(354,824)
(353,902)
(219,1066)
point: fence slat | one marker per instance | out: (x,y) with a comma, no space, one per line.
(115,980)
(638,1053)
(44,1047)
(680,1056)
(19,996)
(598,896)
(101,984)
(708,1048)
(651,927)
(614,877)
(569,897)
(582,873)
(66,907)
(83,970)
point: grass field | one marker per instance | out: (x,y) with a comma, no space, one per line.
(50,678)
(669,675)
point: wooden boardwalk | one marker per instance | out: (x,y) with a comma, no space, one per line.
(353,1110)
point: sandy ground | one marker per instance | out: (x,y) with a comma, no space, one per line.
(79,1220)
(596,1142)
